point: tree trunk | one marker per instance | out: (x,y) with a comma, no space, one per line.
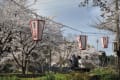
(24,67)
(118,60)
(24,70)
(119,66)
(117,34)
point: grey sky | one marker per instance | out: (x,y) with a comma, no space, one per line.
(68,13)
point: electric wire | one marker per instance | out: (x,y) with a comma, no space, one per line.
(45,18)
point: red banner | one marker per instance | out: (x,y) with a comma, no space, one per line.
(82,41)
(37,27)
(105,41)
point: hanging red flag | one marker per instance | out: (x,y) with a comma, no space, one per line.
(82,41)
(37,27)
(105,41)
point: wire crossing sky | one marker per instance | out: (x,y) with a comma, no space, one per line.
(74,29)
(78,19)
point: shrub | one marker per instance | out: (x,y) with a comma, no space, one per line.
(60,76)
(7,68)
(109,77)
(50,76)
(9,78)
(77,76)
(105,73)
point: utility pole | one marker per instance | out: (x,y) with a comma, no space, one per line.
(117,34)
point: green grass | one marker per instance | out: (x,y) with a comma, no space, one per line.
(60,76)
(16,78)
(9,78)
(31,78)
(103,73)
(51,76)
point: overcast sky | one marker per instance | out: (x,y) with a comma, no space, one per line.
(67,12)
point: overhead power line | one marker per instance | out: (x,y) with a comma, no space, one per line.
(45,18)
